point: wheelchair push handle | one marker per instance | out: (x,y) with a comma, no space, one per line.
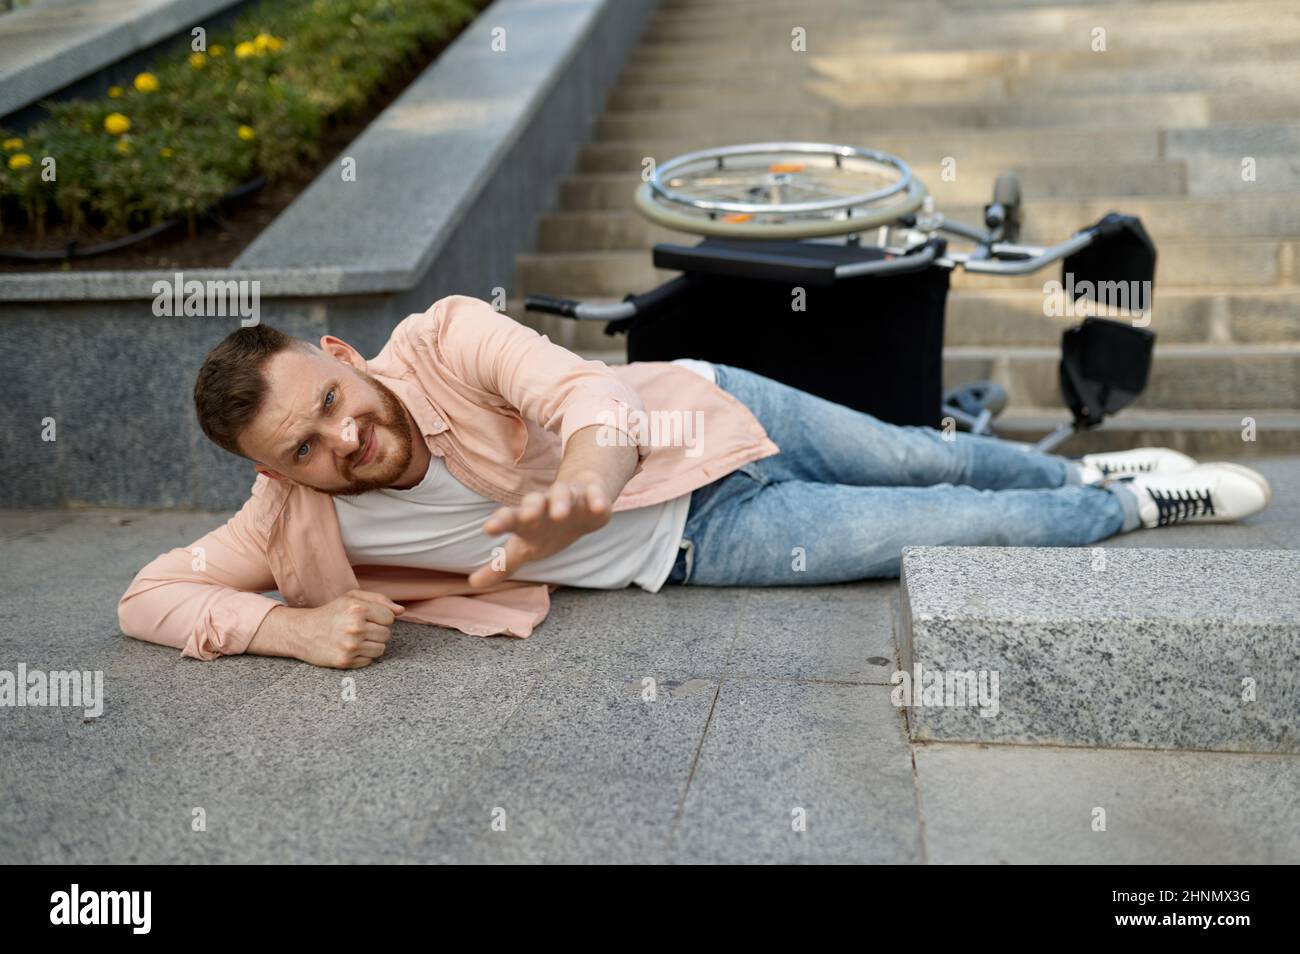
(580,310)
(551,305)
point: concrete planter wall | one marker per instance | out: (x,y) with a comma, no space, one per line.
(450,181)
(78,48)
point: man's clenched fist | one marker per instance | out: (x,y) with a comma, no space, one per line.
(349,632)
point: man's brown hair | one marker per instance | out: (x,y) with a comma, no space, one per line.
(231,387)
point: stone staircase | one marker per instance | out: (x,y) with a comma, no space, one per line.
(1158,125)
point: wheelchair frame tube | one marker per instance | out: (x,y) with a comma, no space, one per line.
(1036,257)
(985,260)
(1031,259)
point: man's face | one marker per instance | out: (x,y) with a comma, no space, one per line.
(328,425)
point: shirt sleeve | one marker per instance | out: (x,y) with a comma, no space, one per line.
(205,599)
(545,382)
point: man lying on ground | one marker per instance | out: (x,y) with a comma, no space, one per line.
(473,466)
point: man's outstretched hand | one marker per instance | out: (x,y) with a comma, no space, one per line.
(544,524)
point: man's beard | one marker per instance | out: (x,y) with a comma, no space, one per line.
(398,456)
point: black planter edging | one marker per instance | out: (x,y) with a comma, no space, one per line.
(73,251)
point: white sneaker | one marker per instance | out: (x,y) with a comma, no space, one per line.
(1217,492)
(1140,460)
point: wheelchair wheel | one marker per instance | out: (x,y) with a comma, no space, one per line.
(780,190)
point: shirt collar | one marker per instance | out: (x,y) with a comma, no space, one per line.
(413,399)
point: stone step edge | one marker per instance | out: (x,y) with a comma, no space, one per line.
(938,602)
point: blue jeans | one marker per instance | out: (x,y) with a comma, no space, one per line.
(848,491)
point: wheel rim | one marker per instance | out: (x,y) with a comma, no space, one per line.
(731,191)
(681,222)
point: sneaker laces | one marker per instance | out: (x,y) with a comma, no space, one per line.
(1125,467)
(1175,505)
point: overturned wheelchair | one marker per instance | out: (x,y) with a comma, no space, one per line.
(784,284)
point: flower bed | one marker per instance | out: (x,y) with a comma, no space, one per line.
(254,101)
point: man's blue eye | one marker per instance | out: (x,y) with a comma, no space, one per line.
(329,400)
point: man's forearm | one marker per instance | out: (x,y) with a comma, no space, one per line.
(280,633)
(611,464)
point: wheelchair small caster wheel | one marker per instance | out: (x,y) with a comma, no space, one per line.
(976,397)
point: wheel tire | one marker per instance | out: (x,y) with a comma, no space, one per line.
(660,214)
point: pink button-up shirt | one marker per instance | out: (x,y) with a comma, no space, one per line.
(498,402)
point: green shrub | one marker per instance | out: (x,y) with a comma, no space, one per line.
(257,102)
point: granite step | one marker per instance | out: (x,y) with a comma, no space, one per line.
(957,66)
(1186,315)
(646,89)
(748,6)
(1102,646)
(1238,263)
(1047,222)
(932,18)
(1205,433)
(1213,156)
(813,114)
(917,147)
(1188,256)
(1046,219)
(1238,378)
(750,117)
(1153,127)
(750,54)
(970,185)
(579,274)
(984,318)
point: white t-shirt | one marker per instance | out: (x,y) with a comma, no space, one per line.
(437,524)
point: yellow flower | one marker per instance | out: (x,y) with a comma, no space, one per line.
(123,147)
(198,60)
(146,83)
(114,92)
(262,41)
(246,133)
(217,50)
(166,152)
(11,144)
(275,44)
(245,50)
(116,123)
(20,161)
